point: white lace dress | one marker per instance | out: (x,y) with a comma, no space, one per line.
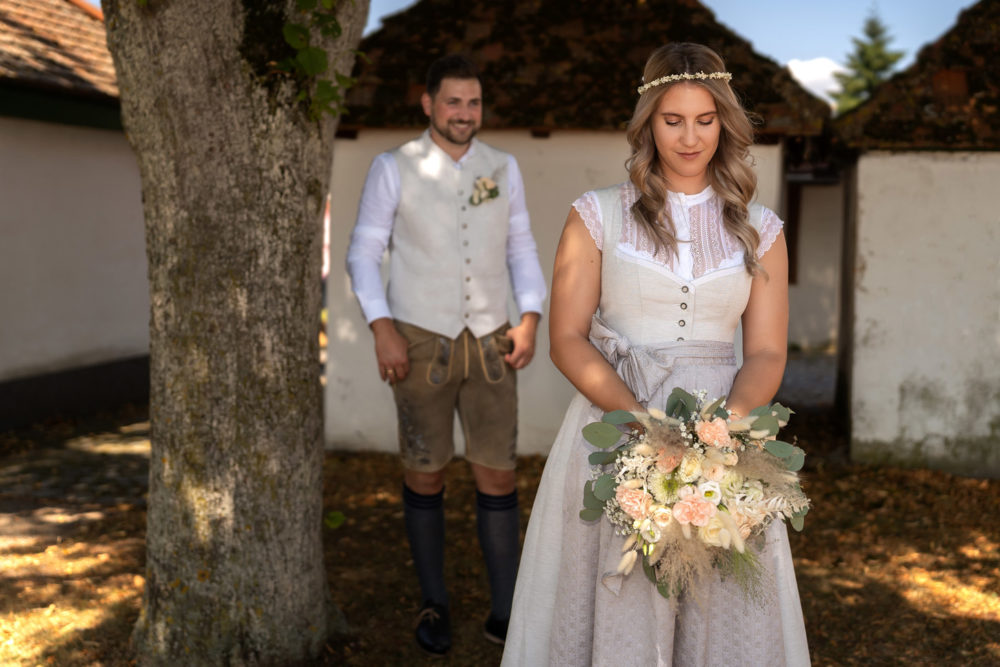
(663,322)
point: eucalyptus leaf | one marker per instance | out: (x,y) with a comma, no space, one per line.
(601,435)
(780,449)
(765,423)
(296,35)
(722,412)
(602,457)
(796,460)
(715,405)
(590,501)
(604,487)
(681,404)
(591,515)
(618,417)
(760,411)
(781,412)
(797,522)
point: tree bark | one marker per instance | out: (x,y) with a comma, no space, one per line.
(234,178)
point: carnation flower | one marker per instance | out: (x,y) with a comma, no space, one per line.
(667,460)
(635,502)
(714,433)
(694,510)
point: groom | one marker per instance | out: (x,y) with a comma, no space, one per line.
(452,212)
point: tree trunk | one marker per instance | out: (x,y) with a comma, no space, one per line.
(234,178)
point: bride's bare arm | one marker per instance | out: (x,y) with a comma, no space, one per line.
(576,293)
(765,333)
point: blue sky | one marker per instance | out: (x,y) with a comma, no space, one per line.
(809,36)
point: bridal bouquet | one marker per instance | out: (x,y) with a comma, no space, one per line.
(692,487)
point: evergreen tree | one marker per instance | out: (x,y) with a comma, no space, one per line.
(867,66)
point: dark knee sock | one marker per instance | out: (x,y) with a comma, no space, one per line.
(499,536)
(424,518)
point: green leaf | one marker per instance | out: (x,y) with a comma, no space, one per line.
(796,460)
(714,406)
(648,570)
(301,96)
(296,35)
(325,92)
(602,457)
(680,403)
(780,449)
(797,522)
(760,411)
(604,487)
(601,435)
(363,56)
(590,501)
(591,515)
(305,5)
(766,423)
(663,589)
(328,25)
(345,81)
(618,417)
(334,519)
(312,60)
(327,4)
(722,412)
(781,412)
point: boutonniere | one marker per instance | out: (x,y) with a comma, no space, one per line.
(485,190)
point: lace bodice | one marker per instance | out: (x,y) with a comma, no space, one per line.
(703,245)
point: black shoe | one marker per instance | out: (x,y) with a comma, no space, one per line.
(434,629)
(495,630)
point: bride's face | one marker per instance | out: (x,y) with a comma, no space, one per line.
(686,129)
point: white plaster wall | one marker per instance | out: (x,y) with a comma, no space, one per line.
(813,301)
(72,250)
(926,386)
(359,408)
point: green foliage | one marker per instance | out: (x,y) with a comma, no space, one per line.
(334,519)
(618,417)
(601,434)
(868,65)
(310,63)
(681,404)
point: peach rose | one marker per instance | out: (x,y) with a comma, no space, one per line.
(635,502)
(694,510)
(714,433)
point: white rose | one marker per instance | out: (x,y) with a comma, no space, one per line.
(690,467)
(715,533)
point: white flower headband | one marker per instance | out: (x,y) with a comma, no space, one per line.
(683,77)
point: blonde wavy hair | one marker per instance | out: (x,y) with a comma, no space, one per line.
(730,170)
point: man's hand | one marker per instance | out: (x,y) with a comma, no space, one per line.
(523,336)
(390,350)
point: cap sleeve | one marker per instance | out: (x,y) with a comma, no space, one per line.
(770,227)
(589,209)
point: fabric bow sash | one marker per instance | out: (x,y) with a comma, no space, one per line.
(644,369)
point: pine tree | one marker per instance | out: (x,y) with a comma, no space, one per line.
(867,66)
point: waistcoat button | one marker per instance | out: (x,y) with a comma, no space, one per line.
(685,289)
(681,323)
(684,306)
(680,338)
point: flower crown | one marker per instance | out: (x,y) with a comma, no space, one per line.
(683,77)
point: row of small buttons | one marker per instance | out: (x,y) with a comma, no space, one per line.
(684,290)
(465,244)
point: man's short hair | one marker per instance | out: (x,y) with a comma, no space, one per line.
(453,66)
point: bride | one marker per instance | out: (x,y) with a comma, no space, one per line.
(651,279)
